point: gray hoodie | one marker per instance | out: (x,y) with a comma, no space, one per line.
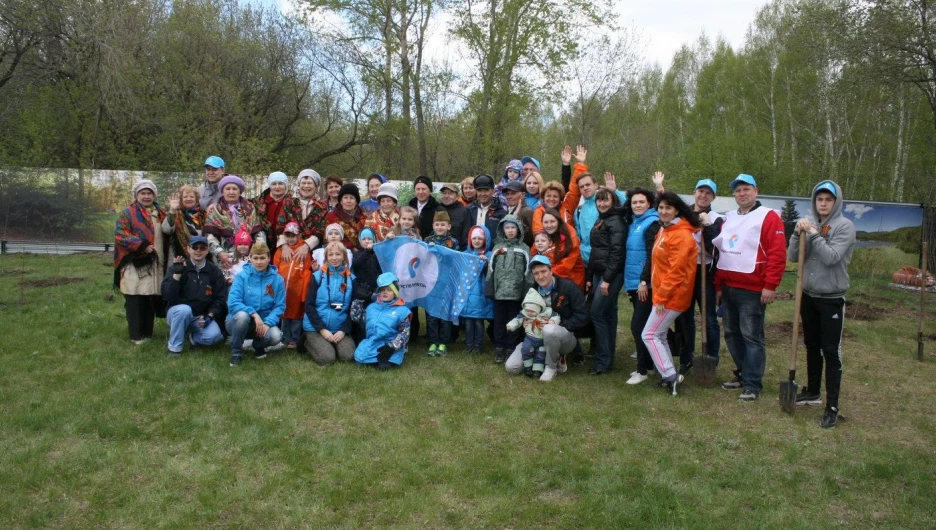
(828,252)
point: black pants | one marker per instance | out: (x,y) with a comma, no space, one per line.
(823,321)
(504,312)
(638,321)
(141,314)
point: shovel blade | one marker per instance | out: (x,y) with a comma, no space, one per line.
(706,367)
(788,391)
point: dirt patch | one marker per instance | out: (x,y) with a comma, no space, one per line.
(13,272)
(863,311)
(52,282)
(784,295)
(778,332)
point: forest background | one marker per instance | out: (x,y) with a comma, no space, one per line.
(819,89)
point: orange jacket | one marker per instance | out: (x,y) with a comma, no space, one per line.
(567,206)
(570,267)
(674,266)
(296,274)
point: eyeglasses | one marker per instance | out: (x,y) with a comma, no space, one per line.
(199,247)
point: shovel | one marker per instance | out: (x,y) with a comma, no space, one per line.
(788,388)
(707,364)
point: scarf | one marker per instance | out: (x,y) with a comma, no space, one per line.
(187,223)
(225,219)
(134,232)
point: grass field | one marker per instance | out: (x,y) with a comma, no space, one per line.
(97,432)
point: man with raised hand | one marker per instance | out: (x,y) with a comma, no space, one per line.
(209,192)
(712,221)
(751,261)
(195,292)
(565,299)
(830,241)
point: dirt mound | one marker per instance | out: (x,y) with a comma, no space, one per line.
(863,311)
(52,282)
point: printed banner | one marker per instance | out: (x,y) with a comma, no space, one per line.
(433,277)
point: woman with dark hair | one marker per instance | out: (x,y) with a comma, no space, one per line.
(606,268)
(562,248)
(140,260)
(348,214)
(643,225)
(333,184)
(673,261)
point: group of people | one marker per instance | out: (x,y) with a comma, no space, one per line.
(298,267)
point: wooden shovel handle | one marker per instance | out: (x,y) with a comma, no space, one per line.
(799,300)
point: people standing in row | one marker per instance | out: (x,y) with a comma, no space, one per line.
(643,225)
(830,242)
(606,276)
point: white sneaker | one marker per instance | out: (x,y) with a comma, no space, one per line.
(276,347)
(636,379)
(548,374)
(563,367)
(634,355)
(248,344)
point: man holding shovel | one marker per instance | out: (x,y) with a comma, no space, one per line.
(830,242)
(751,261)
(705,192)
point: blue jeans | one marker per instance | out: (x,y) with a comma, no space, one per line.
(240,326)
(181,321)
(474,332)
(744,334)
(292,330)
(686,326)
(438,331)
(604,314)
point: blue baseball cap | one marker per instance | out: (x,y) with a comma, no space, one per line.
(540,260)
(197,239)
(526,159)
(743,179)
(386,279)
(827,185)
(214,161)
(707,183)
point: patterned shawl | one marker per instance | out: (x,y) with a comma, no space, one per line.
(381,224)
(309,214)
(134,231)
(187,222)
(223,220)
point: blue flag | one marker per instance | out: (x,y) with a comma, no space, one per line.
(433,277)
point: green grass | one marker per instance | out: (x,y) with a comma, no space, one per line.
(97,432)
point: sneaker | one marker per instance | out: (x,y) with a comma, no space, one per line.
(636,379)
(248,344)
(260,355)
(805,398)
(276,347)
(528,371)
(500,355)
(384,365)
(684,369)
(140,341)
(443,349)
(236,360)
(829,419)
(748,395)
(537,374)
(733,384)
(173,354)
(673,385)
(563,367)
(291,345)
(634,356)
(432,350)
(548,374)
(191,341)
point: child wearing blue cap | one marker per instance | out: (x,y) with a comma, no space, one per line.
(387,326)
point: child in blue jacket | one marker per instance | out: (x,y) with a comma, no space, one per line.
(478,308)
(256,301)
(387,325)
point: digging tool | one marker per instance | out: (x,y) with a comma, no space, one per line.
(789,387)
(922,300)
(705,373)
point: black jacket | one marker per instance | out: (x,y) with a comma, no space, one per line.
(567,299)
(205,291)
(424,219)
(607,245)
(495,215)
(366,269)
(461,223)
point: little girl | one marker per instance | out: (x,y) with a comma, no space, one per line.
(296,274)
(241,257)
(333,232)
(478,308)
(406,225)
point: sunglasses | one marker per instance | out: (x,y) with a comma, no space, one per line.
(199,247)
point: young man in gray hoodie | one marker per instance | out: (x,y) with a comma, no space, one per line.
(829,246)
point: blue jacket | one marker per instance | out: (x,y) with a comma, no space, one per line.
(258,292)
(533,201)
(637,256)
(586,215)
(385,323)
(478,305)
(327,305)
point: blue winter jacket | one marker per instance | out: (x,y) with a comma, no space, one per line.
(258,292)
(328,306)
(636,257)
(586,215)
(533,201)
(478,305)
(385,323)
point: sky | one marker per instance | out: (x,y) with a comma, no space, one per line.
(664,24)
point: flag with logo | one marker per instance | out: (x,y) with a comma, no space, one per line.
(433,277)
